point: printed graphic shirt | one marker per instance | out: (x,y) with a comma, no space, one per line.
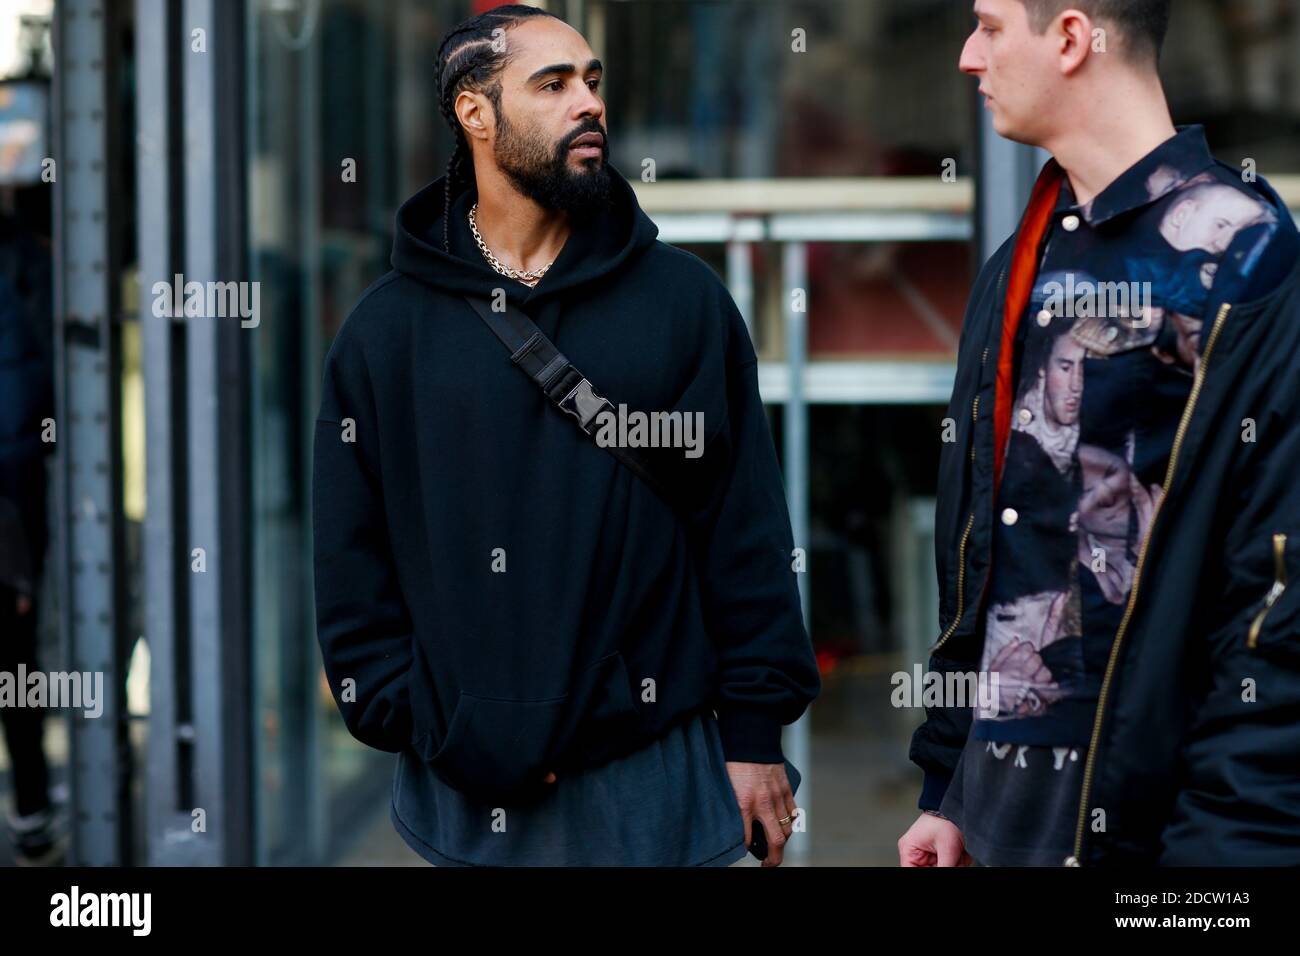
(1128,289)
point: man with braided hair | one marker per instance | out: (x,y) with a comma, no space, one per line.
(575,666)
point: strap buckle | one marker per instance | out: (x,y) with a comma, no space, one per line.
(584,403)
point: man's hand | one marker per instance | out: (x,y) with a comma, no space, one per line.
(1025,685)
(932,841)
(763,793)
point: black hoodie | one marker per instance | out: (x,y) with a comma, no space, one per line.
(437,463)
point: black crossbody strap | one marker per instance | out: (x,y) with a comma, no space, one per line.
(560,381)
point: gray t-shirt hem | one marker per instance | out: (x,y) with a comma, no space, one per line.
(668,804)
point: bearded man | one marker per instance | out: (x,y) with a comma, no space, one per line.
(577,664)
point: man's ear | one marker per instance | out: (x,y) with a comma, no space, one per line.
(474,113)
(1177,215)
(1073,32)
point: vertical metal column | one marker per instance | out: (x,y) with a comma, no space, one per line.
(740,279)
(216,433)
(202,431)
(89,548)
(168,795)
(311,797)
(795,429)
(191,226)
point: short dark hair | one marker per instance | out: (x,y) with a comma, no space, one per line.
(1142,23)
(468,59)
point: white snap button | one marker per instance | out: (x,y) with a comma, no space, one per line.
(1070,223)
(1045,318)
(1010,516)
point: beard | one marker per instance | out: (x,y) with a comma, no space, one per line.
(542,172)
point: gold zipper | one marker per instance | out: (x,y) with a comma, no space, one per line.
(965,537)
(1274,593)
(1179,437)
(961,584)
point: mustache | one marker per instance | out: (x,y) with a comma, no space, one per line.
(592,127)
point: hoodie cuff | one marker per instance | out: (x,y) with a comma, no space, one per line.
(932,791)
(750,736)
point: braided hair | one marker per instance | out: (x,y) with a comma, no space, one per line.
(470,58)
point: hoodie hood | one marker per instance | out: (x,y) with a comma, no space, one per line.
(597,246)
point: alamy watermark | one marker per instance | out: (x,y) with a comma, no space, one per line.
(133,911)
(624,429)
(75,690)
(1086,299)
(208,300)
(922,688)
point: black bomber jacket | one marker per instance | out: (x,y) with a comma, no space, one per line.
(1195,750)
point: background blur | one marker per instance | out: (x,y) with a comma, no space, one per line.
(820,170)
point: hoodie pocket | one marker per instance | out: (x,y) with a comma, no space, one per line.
(497,748)
(612,715)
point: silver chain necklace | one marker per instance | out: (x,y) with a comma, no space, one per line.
(496,263)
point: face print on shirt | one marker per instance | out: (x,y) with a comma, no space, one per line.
(1201,222)
(1187,339)
(1112,497)
(1049,407)
(1111,510)
(1062,382)
(1023,635)
(1207,214)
